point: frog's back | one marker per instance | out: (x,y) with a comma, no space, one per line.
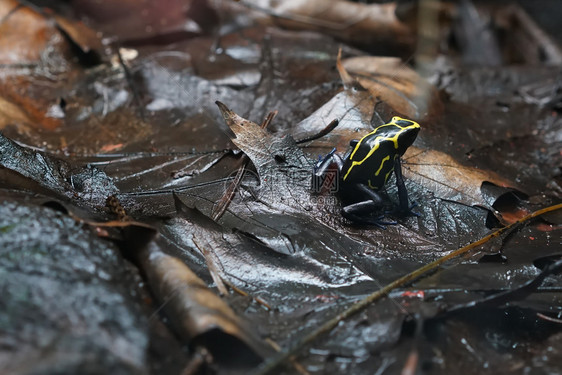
(371,161)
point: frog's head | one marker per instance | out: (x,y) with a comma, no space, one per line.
(408,132)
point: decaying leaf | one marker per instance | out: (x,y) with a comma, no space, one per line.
(197,314)
(85,40)
(35,47)
(449,179)
(515,294)
(11,114)
(51,175)
(270,154)
(170,162)
(375,90)
(24,34)
(27,31)
(354,108)
(368,24)
(246,258)
(391,81)
(284,176)
(161,22)
(212,262)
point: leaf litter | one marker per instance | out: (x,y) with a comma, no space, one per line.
(273,240)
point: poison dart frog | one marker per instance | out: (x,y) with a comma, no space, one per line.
(367,166)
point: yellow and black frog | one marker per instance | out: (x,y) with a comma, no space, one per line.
(365,169)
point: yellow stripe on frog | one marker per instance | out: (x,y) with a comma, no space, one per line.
(394,139)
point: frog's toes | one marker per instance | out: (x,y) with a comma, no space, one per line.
(374,221)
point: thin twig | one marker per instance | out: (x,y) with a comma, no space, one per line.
(300,369)
(549,318)
(258,300)
(212,267)
(331,126)
(131,83)
(200,357)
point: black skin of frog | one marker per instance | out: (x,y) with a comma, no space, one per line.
(365,169)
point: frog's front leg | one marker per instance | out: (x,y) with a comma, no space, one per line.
(324,163)
(404,207)
(320,176)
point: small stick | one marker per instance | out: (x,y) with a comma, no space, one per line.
(331,126)
(549,318)
(258,300)
(200,357)
(300,369)
(212,267)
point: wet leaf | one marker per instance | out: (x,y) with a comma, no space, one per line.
(514,294)
(27,82)
(270,154)
(393,82)
(147,131)
(375,90)
(448,179)
(374,25)
(52,176)
(199,315)
(248,260)
(150,22)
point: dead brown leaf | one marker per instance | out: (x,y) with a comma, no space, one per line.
(197,313)
(390,80)
(447,178)
(24,34)
(376,88)
(150,21)
(11,114)
(368,24)
(35,47)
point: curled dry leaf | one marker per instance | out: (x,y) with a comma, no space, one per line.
(24,34)
(449,179)
(269,153)
(376,88)
(35,45)
(368,24)
(89,46)
(26,31)
(389,80)
(195,311)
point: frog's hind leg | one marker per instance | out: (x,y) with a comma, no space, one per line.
(362,212)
